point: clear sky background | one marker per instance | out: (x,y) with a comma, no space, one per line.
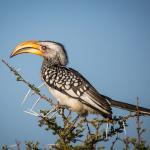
(107,41)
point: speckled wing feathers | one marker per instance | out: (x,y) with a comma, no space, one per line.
(73,84)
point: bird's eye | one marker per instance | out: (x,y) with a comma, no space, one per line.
(43,47)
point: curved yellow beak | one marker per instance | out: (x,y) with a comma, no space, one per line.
(32,47)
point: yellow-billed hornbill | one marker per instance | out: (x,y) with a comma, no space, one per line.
(68,86)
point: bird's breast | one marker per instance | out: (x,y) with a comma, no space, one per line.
(73,103)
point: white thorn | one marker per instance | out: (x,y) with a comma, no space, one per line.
(32,113)
(54,114)
(53,109)
(28,112)
(124,128)
(35,104)
(26,96)
(106,131)
(42,84)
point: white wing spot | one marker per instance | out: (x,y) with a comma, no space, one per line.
(51,81)
(81,89)
(78,93)
(67,87)
(84,88)
(58,85)
(68,83)
(75,84)
(57,78)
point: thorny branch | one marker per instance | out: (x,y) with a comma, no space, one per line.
(31,86)
(77,130)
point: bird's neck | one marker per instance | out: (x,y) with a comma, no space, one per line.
(49,64)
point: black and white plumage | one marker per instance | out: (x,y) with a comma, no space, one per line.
(68,86)
(71,89)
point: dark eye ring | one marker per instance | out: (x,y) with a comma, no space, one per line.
(43,47)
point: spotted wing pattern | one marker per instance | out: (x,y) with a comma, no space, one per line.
(73,84)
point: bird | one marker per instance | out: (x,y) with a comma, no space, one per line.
(68,86)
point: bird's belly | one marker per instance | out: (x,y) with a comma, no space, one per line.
(73,103)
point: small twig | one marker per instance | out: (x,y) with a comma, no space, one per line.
(74,122)
(114,142)
(97,130)
(66,118)
(87,124)
(42,84)
(138,125)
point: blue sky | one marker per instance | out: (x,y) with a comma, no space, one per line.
(107,41)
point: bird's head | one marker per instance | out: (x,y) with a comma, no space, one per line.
(51,51)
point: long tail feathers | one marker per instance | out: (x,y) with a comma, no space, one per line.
(129,107)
